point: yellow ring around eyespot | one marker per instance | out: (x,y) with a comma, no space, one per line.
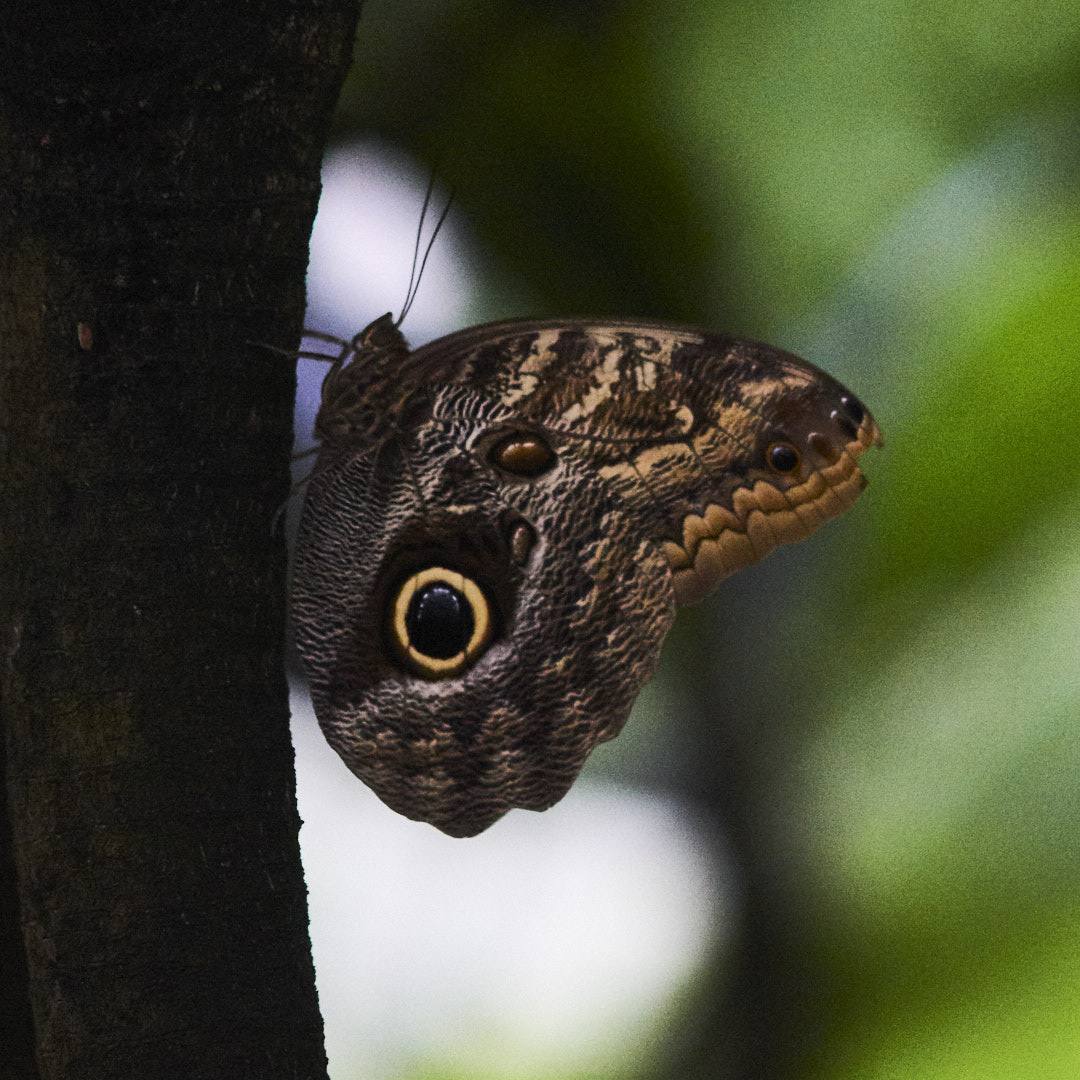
(433,667)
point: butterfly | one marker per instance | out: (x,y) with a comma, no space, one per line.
(500,526)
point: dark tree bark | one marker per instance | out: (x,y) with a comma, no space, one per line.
(158,178)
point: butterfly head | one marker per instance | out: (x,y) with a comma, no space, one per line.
(366,388)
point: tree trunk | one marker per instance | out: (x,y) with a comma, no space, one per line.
(158,178)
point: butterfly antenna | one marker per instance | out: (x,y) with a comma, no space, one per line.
(416,246)
(415,275)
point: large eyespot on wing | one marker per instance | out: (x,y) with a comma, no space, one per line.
(440,622)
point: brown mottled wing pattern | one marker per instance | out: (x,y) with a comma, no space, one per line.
(668,458)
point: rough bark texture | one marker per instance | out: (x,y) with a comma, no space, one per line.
(159,169)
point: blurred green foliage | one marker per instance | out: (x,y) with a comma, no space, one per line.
(892,190)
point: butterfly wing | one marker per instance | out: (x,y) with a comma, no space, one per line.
(570,604)
(480,593)
(722,448)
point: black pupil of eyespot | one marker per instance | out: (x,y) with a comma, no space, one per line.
(783,458)
(439,621)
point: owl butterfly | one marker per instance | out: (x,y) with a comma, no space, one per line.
(500,525)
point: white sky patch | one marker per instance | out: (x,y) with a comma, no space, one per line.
(363,240)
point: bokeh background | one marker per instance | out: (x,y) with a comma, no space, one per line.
(840,837)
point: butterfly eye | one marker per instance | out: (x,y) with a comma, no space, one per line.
(522,454)
(440,622)
(783,457)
